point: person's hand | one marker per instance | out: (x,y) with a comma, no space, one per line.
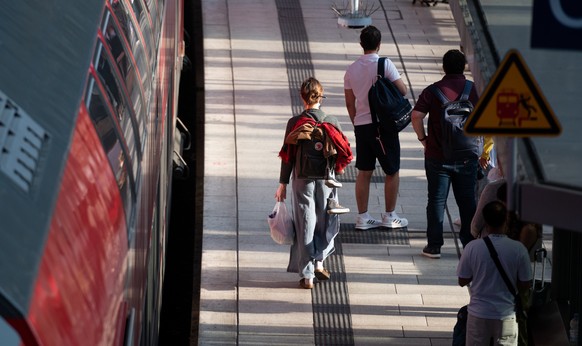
(281,193)
(341,171)
(483,162)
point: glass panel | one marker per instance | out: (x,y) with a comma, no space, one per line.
(144,23)
(105,126)
(115,44)
(129,72)
(111,85)
(153,9)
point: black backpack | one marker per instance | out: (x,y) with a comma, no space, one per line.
(456,145)
(311,162)
(388,107)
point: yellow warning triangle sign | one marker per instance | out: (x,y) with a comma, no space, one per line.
(512,104)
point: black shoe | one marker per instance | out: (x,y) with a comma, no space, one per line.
(333,207)
(431,252)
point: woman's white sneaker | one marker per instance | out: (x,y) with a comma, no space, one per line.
(333,207)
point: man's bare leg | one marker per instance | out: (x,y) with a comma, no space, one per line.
(363,190)
(391,186)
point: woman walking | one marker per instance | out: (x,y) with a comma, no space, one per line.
(314,201)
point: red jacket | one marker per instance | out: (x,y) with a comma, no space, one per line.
(339,140)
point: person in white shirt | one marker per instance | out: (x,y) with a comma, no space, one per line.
(492,306)
(373,142)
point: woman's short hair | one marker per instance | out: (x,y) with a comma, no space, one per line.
(370,38)
(311,91)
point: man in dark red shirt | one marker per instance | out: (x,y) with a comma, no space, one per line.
(461,173)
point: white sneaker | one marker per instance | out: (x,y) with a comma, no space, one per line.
(333,207)
(331,182)
(393,222)
(364,223)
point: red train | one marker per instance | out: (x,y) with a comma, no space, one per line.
(88,100)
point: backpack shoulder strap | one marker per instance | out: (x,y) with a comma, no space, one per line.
(438,93)
(380,70)
(464,95)
(466,90)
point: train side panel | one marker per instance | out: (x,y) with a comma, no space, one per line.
(78,299)
(100,274)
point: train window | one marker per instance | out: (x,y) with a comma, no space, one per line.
(161,4)
(111,86)
(136,45)
(123,17)
(142,62)
(154,14)
(125,27)
(118,51)
(144,23)
(105,126)
(113,41)
(151,5)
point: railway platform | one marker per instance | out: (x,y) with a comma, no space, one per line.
(382,291)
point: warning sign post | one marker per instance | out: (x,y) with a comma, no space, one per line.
(512,104)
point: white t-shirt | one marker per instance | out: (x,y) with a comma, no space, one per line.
(360,76)
(490,297)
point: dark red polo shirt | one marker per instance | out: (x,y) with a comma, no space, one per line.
(452,86)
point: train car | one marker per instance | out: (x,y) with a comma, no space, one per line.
(88,143)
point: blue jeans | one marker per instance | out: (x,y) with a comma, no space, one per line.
(462,175)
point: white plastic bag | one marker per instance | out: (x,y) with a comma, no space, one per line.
(281,225)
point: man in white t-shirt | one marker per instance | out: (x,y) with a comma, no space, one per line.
(373,142)
(492,306)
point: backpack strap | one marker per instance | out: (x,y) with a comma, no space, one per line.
(466,90)
(439,94)
(380,70)
(379,74)
(444,100)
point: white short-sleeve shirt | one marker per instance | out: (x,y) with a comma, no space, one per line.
(490,297)
(360,76)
